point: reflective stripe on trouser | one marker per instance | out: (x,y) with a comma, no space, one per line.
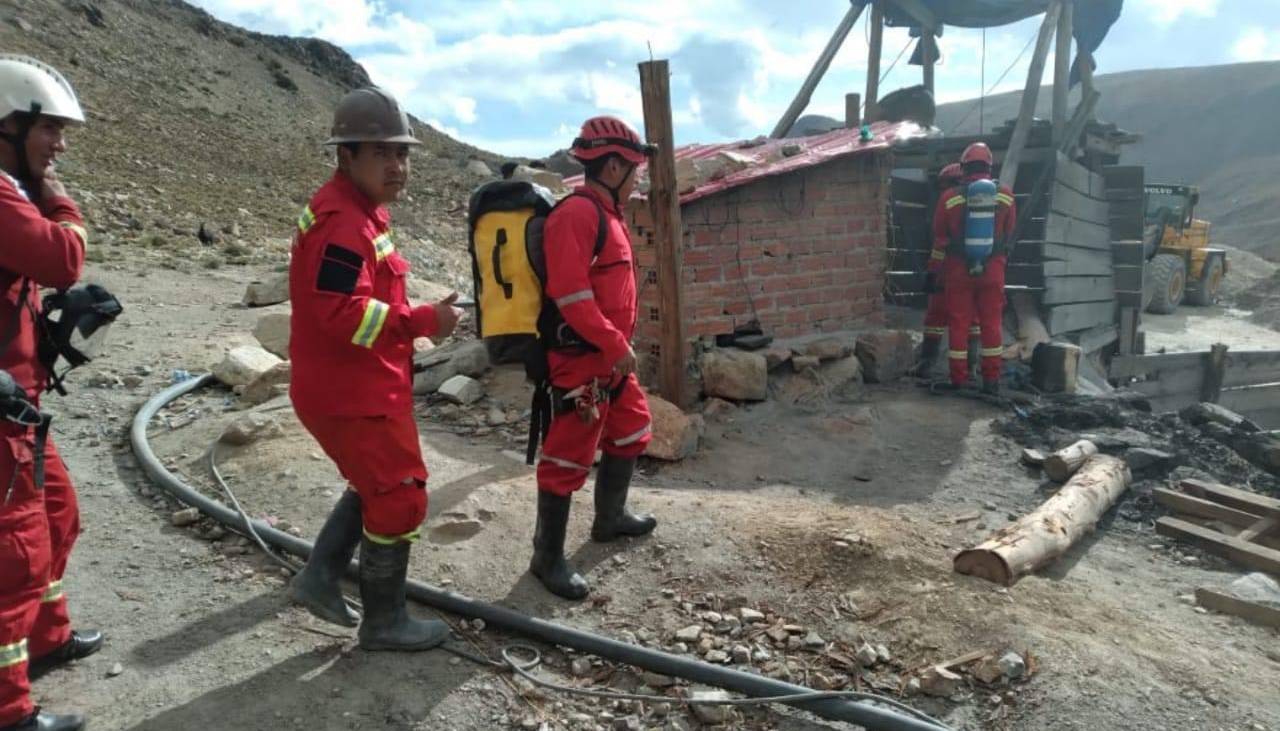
(24,569)
(623,430)
(935,318)
(980,297)
(53,620)
(381,458)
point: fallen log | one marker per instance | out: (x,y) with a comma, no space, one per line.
(1063,463)
(1045,534)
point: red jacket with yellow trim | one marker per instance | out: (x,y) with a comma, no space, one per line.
(44,244)
(596,296)
(948,220)
(352,328)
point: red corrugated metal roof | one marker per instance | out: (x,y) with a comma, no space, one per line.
(767,158)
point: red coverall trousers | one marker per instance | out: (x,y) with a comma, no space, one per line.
(38,527)
(967,298)
(935,319)
(381,458)
(622,430)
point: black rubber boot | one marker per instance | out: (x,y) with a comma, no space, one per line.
(42,721)
(387,624)
(929,350)
(318,587)
(975,357)
(548,562)
(83,643)
(991,388)
(613,520)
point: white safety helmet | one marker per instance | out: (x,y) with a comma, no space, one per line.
(28,85)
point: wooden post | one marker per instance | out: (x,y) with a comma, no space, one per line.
(664,205)
(819,69)
(1026,113)
(1062,71)
(852,111)
(873,60)
(1215,368)
(926,57)
(1086,73)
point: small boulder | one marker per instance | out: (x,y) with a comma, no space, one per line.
(735,374)
(271,291)
(274,382)
(803,362)
(272,333)
(1013,665)
(1142,458)
(710,714)
(776,355)
(828,348)
(243,365)
(885,354)
(479,169)
(462,390)
(250,428)
(675,433)
(939,682)
(718,408)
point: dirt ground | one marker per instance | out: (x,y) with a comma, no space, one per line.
(839,519)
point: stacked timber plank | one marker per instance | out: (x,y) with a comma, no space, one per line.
(1238,525)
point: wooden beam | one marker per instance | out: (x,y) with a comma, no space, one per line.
(1181,502)
(1249,555)
(1252,612)
(920,13)
(1215,368)
(873,61)
(926,59)
(664,205)
(1086,75)
(1026,112)
(1259,529)
(1062,72)
(820,69)
(1250,502)
(852,111)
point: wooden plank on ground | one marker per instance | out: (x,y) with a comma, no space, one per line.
(1066,230)
(1253,612)
(1249,555)
(1251,398)
(1250,502)
(1066,290)
(1069,318)
(1176,402)
(1249,368)
(1079,206)
(1261,528)
(1181,502)
(1143,365)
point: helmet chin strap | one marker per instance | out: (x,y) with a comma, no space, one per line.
(616,190)
(19,142)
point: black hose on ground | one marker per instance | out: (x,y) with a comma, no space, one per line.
(872,717)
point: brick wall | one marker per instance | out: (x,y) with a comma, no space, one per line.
(803,251)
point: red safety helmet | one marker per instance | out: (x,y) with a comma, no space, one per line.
(977,152)
(604,135)
(950,175)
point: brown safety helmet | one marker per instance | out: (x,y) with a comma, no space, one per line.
(370,114)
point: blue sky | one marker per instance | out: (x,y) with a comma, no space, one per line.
(519,76)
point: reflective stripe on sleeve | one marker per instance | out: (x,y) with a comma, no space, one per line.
(77,229)
(938,255)
(956,200)
(375,316)
(569,299)
(382,246)
(306,220)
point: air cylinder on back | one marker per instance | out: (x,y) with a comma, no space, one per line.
(979,223)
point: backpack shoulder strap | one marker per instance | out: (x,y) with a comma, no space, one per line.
(602,224)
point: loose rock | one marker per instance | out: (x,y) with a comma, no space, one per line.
(885,354)
(272,291)
(185,517)
(675,433)
(244,364)
(274,382)
(250,428)
(939,682)
(1013,665)
(272,333)
(735,374)
(462,390)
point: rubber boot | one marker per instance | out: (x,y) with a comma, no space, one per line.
(991,388)
(929,350)
(548,563)
(83,643)
(387,625)
(318,587)
(613,520)
(43,721)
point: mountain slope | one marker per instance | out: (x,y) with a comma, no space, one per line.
(1211,126)
(193,121)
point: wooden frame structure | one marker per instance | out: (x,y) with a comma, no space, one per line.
(1256,516)
(1246,382)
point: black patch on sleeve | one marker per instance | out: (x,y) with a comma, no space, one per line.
(339,270)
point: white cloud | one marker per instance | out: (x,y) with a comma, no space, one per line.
(1256,44)
(1168,12)
(464,109)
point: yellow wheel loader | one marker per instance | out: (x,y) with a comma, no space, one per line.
(1180,263)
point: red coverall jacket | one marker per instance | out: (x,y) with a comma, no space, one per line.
(598,299)
(948,220)
(352,329)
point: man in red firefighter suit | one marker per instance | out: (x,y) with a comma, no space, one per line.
(935,315)
(43,245)
(966,294)
(597,400)
(351,345)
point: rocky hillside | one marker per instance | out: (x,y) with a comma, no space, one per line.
(1211,126)
(194,121)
